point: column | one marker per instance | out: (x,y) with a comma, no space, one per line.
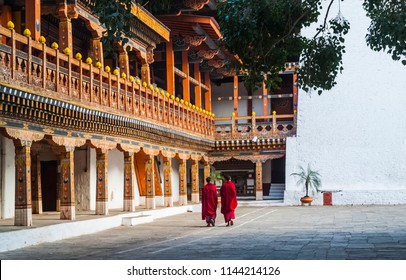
(195,181)
(258,182)
(145,73)
(182,182)
(265,98)
(66,12)
(170,71)
(129,182)
(102,196)
(185,82)
(206,171)
(23,210)
(150,182)
(33,18)
(67,206)
(198,88)
(168,198)
(96,50)
(124,63)
(235,95)
(207,94)
(36,185)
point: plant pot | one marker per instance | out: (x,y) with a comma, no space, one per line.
(306,199)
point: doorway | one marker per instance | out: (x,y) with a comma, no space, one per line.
(49,184)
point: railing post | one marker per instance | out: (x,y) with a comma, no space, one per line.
(44,65)
(29,46)
(233,126)
(253,125)
(13,54)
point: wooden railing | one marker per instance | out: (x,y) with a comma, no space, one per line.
(34,66)
(247,128)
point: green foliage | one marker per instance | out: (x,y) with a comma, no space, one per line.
(266,34)
(388,27)
(216,176)
(309,178)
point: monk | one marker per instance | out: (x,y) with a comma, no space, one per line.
(229,202)
(209,202)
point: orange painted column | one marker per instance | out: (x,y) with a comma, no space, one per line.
(23,205)
(96,50)
(170,68)
(67,206)
(129,182)
(295,93)
(145,73)
(6,16)
(235,95)
(198,88)
(124,63)
(185,82)
(33,17)
(66,13)
(265,98)
(207,94)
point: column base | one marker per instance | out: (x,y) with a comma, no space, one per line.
(129,205)
(195,198)
(37,207)
(102,208)
(259,195)
(68,213)
(150,203)
(168,201)
(23,217)
(183,200)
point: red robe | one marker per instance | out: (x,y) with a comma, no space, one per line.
(228,195)
(209,201)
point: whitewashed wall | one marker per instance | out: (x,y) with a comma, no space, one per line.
(116,179)
(355,134)
(175,179)
(7,178)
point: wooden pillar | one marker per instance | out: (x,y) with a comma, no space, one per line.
(66,12)
(198,88)
(124,63)
(36,185)
(185,82)
(146,73)
(295,94)
(23,209)
(235,95)
(150,182)
(168,197)
(6,16)
(67,207)
(182,182)
(102,196)
(265,99)
(195,181)
(96,50)
(33,18)
(170,68)
(206,171)
(258,182)
(207,94)
(129,182)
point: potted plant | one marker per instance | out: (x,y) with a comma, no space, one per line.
(310,179)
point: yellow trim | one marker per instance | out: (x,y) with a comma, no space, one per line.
(150,21)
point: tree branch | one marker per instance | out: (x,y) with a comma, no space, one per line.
(325,19)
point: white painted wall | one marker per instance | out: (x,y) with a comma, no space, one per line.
(175,179)
(7,178)
(93,179)
(116,179)
(159,200)
(355,134)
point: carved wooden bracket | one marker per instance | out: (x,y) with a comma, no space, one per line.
(129,148)
(150,151)
(103,145)
(26,137)
(168,154)
(68,142)
(208,54)
(216,63)
(195,4)
(195,40)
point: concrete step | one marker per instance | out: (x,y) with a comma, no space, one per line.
(137,220)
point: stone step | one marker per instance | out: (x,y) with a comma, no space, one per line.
(136,220)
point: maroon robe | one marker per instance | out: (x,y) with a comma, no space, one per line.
(209,202)
(228,195)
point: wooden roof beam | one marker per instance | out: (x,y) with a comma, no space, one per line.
(209,41)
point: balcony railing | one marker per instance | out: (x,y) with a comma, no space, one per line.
(47,71)
(247,130)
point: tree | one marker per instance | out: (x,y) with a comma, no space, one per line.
(265,34)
